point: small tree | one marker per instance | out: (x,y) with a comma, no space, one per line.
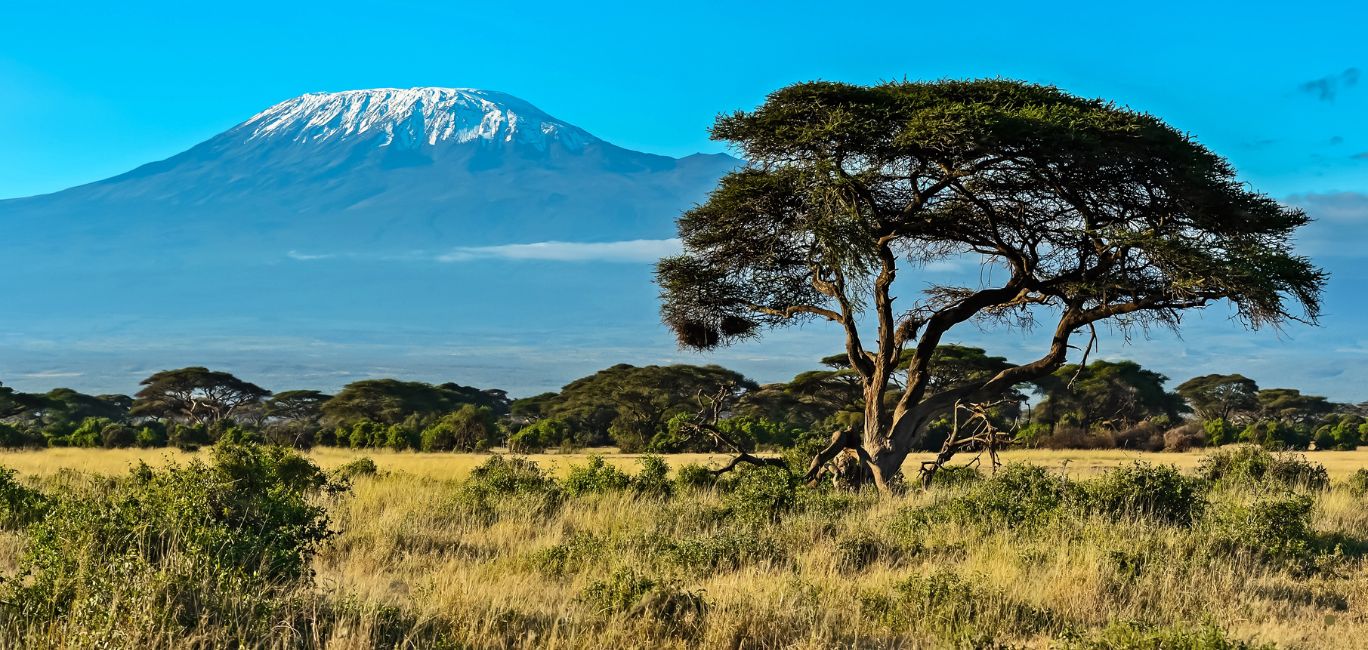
(197,395)
(1084,211)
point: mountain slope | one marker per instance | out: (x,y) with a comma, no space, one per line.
(384,170)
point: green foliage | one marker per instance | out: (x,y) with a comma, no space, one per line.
(20,505)
(1138,635)
(759,493)
(1277,434)
(218,543)
(390,401)
(196,394)
(1344,433)
(653,479)
(363,466)
(629,406)
(1272,527)
(954,610)
(540,436)
(1106,394)
(1358,483)
(469,428)
(1253,465)
(1220,432)
(1017,495)
(956,476)
(1220,397)
(597,477)
(1143,490)
(568,556)
(692,476)
(629,592)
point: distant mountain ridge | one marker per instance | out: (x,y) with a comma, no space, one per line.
(381,169)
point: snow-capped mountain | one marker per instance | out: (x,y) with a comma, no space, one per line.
(385,170)
(411,117)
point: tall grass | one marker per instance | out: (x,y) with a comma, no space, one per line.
(1136,556)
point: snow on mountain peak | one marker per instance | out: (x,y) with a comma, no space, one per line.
(413,117)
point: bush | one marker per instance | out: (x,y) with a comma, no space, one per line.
(1358,483)
(20,505)
(539,436)
(945,606)
(637,596)
(597,477)
(759,493)
(654,478)
(1249,465)
(152,435)
(1220,432)
(693,476)
(1140,489)
(1018,495)
(953,476)
(1272,527)
(1139,635)
(217,545)
(362,466)
(14,438)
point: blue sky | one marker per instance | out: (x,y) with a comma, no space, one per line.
(90,90)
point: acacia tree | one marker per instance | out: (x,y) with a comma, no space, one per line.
(1086,211)
(1220,397)
(195,394)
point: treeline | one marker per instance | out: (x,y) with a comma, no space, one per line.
(1101,405)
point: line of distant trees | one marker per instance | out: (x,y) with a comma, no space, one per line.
(1104,404)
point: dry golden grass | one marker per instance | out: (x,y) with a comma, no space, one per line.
(1076,463)
(407,541)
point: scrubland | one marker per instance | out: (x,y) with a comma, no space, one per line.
(255,547)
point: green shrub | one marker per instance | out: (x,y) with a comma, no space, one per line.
(1220,432)
(1358,483)
(859,549)
(597,477)
(568,556)
(759,493)
(1272,527)
(152,435)
(653,479)
(220,545)
(12,437)
(945,606)
(362,466)
(20,505)
(1140,489)
(507,487)
(1250,465)
(628,592)
(952,476)
(510,475)
(1018,495)
(694,476)
(1140,635)
(722,549)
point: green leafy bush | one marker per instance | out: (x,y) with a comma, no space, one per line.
(20,505)
(947,607)
(1139,635)
(1358,483)
(653,479)
(363,466)
(631,593)
(759,493)
(1272,527)
(1018,495)
(694,476)
(1140,489)
(220,544)
(1248,465)
(597,477)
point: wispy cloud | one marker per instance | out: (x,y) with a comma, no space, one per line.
(636,250)
(307,257)
(50,374)
(1328,87)
(1362,155)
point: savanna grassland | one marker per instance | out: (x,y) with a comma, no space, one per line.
(231,546)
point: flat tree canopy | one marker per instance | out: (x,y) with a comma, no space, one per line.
(1084,210)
